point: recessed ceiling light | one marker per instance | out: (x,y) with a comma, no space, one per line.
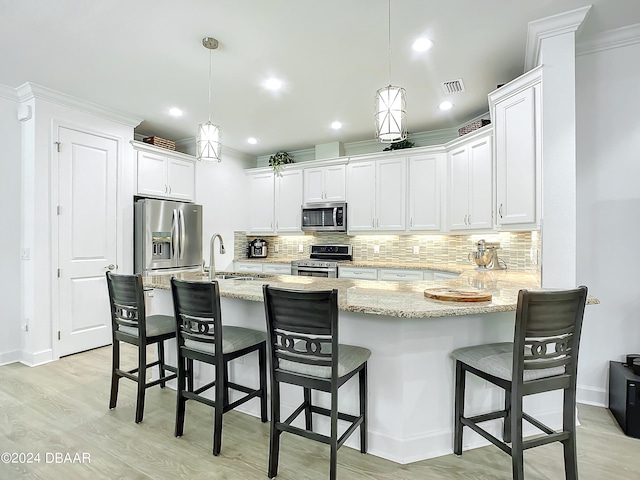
(422,45)
(175,112)
(252,140)
(336,125)
(273,84)
(446,105)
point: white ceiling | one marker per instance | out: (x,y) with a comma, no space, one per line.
(142,57)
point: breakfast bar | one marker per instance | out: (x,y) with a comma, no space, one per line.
(410,336)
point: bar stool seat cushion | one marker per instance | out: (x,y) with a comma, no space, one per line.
(156,325)
(497,359)
(233,339)
(349,358)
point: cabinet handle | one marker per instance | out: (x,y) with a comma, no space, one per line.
(465,219)
(277,223)
(469,219)
(500,211)
(373,222)
(166,189)
(411,222)
(169,188)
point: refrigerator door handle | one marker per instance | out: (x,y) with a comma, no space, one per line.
(183,233)
(174,233)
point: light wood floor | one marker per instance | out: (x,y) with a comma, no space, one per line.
(63,407)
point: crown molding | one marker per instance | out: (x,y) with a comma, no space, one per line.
(619,37)
(539,30)
(9,93)
(29,91)
(188,146)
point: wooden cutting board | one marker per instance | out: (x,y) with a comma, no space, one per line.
(454,295)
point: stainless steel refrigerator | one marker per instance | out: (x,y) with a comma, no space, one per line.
(168,236)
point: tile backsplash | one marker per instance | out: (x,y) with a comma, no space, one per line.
(520,250)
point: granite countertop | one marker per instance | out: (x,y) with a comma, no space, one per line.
(395,299)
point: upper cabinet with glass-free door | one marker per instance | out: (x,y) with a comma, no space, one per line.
(324,183)
(164,173)
(516,115)
(425,180)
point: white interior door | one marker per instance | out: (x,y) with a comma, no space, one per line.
(86,238)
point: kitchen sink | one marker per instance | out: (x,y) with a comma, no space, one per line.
(233,277)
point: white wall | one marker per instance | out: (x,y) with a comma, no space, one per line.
(10,180)
(221,188)
(608,210)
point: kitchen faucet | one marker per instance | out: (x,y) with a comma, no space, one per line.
(212,263)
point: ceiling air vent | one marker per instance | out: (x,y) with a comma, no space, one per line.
(453,86)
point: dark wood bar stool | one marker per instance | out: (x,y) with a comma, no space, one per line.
(304,351)
(130,324)
(543,357)
(203,338)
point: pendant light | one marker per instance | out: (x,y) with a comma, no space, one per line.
(208,139)
(390,107)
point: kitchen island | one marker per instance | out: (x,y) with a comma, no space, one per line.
(411,375)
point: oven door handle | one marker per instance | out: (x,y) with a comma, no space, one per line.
(316,269)
(335,216)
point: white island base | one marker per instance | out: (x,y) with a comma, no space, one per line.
(410,372)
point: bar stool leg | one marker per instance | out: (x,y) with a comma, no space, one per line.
(221,399)
(142,381)
(506,425)
(262,366)
(517,453)
(569,425)
(362,377)
(459,408)
(161,370)
(308,422)
(333,461)
(115,378)
(181,400)
(274,433)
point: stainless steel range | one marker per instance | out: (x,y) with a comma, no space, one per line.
(323,261)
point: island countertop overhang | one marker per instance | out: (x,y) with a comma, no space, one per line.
(388,298)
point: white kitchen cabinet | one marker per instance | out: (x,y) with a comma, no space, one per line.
(425,179)
(470,183)
(437,275)
(401,275)
(324,184)
(376,195)
(262,267)
(261,203)
(515,111)
(288,204)
(247,267)
(165,174)
(275,201)
(358,273)
(277,268)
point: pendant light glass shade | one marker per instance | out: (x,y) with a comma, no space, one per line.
(390,114)
(208,144)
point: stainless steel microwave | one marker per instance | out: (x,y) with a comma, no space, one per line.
(324,217)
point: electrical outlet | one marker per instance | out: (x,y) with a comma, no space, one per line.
(26,254)
(376,249)
(300,248)
(276,248)
(416,250)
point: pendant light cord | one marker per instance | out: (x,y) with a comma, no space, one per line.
(209,85)
(389,41)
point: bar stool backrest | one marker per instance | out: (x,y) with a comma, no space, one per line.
(197,312)
(303,327)
(126,297)
(547,332)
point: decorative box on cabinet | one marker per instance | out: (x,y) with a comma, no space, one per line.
(515,111)
(164,173)
(324,184)
(470,185)
(376,195)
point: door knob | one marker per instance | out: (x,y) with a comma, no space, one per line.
(111,266)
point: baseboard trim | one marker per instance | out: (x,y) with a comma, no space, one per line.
(598,397)
(10,357)
(37,358)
